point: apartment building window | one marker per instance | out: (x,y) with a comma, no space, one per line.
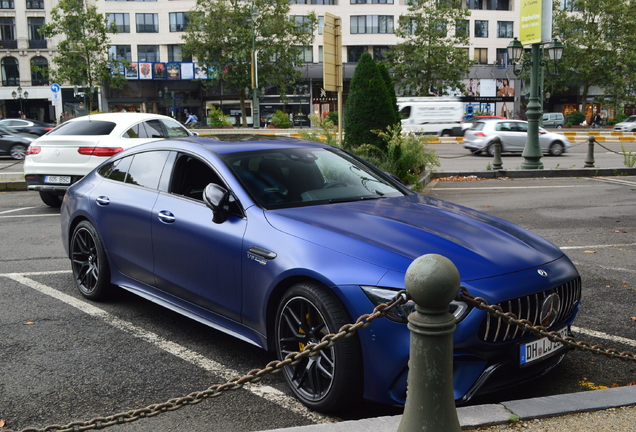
(354,53)
(7,33)
(371,1)
(178,21)
(570,5)
(38,75)
(379,52)
(36,40)
(120,52)
(35,4)
(475,4)
(315,2)
(498,4)
(306,54)
(176,54)
(481,55)
(481,29)
(462,28)
(502,58)
(121,21)
(320,54)
(504,29)
(147,23)
(10,72)
(6,4)
(371,24)
(303,23)
(148,53)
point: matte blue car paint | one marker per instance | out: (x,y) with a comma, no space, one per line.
(342,246)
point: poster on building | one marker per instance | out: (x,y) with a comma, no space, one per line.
(132,71)
(159,71)
(200,71)
(173,71)
(187,71)
(145,71)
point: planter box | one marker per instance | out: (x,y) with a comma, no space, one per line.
(221,127)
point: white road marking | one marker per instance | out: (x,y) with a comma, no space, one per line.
(601,335)
(598,246)
(15,210)
(26,216)
(266,392)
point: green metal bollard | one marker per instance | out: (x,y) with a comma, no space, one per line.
(497,164)
(589,159)
(432,281)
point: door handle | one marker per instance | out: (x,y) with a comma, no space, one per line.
(102,200)
(166,217)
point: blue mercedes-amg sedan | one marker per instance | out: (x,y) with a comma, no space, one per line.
(279,241)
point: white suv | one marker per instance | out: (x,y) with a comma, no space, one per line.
(70,151)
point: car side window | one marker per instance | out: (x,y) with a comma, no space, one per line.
(191,176)
(522,127)
(153,129)
(174,129)
(146,168)
(116,170)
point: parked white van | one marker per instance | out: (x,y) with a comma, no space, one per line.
(441,116)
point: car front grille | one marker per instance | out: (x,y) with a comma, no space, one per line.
(495,330)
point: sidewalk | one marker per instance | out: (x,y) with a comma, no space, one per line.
(526,410)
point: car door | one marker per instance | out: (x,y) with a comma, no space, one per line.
(518,136)
(196,259)
(507,134)
(122,206)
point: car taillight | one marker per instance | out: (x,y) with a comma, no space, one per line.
(480,134)
(33,150)
(99,151)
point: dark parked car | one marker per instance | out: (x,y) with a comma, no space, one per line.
(14,143)
(33,127)
(279,242)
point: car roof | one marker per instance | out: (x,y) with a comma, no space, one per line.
(119,117)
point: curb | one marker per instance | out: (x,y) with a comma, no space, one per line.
(13,186)
(494,414)
(538,173)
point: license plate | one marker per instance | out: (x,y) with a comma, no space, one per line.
(541,348)
(57,179)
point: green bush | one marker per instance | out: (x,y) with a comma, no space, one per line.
(618,118)
(575,118)
(323,131)
(281,120)
(216,118)
(332,116)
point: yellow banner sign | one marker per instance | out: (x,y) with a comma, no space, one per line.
(530,22)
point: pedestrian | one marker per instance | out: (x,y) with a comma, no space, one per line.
(596,122)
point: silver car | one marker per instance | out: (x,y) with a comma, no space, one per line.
(627,125)
(513,135)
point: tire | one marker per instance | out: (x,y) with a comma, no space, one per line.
(89,263)
(331,380)
(556,148)
(559,126)
(51,199)
(18,151)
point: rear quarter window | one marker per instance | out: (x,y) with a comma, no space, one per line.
(84,127)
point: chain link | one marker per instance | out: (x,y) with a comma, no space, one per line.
(253,376)
(609,150)
(526,325)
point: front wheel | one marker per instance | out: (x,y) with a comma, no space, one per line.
(331,380)
(556,149)
(89,262)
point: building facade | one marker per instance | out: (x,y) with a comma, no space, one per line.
(162,79)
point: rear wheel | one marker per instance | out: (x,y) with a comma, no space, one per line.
(51,199)
(18,151)
(556,149)
(330,380)
(491,149)
(89,262)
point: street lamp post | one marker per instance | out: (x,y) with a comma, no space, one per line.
(532,151)
(256,121)
(20,95)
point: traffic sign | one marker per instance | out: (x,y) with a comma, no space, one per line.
(55,88)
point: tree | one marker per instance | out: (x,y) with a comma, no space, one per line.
(82,51)
(390,86)
(368,107)
(599,46)
(220,34)
(431,55)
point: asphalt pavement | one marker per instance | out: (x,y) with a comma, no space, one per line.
(613,408)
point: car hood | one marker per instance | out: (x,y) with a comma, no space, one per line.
(392,232)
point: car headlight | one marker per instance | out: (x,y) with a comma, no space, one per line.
(400,313)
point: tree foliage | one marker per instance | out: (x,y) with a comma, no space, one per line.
(368,107)
(82,50)
(599,45)
(219,35)
(431,55)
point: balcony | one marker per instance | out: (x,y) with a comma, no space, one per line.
(36,44)
(9,43)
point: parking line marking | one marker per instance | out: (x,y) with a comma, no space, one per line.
(597,246)
(15,210)
(601,335)
(266,392)
(26,216)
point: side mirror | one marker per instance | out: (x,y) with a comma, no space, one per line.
(217,199)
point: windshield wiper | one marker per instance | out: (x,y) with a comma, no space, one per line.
(355,198)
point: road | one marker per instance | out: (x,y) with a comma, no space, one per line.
(67,359)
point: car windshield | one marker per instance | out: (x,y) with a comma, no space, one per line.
(299,177)
(84,127)
(631,119)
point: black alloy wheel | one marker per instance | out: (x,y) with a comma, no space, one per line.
(89,263)
(331,380)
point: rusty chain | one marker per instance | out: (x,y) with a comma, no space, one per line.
(253,376)
(609,150)
(524,324)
